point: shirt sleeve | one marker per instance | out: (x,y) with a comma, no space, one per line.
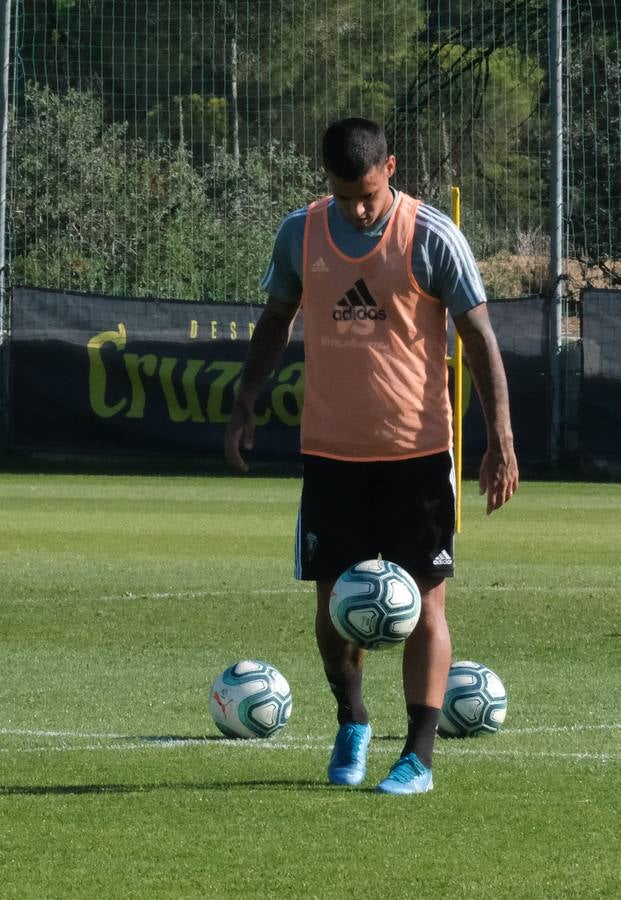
(443,263)
(283,278)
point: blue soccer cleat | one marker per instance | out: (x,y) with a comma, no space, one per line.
(407,776)
(348,762)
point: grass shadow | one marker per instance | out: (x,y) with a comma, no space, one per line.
(115,462)
(50,790)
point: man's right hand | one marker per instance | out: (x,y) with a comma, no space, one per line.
(239,431)
(267,345)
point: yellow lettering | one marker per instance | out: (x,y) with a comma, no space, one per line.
(134,364)
(250,329)
(97,376)
(214,329)
(233,330)
(264,418)
(228,373)
(192,409)
(291,412)
(193,329)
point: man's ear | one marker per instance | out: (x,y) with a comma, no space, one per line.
(390,166)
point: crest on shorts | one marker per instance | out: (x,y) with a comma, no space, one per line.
(312,542)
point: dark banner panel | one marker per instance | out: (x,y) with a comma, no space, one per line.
(521,328)
(100,374)
(600,407)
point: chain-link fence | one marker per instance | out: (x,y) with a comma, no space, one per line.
(154,147)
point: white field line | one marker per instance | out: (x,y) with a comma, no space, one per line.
(79,735)
(190,595)
(292,587)
(562,729)
(114,736)
(120,743)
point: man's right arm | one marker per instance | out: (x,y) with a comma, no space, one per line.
(267,345)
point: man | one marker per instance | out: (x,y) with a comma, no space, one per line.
(375,271)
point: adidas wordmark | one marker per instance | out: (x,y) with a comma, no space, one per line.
(358,303)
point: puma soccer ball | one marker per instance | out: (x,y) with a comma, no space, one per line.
(375,604)
(250,699)
(475,701)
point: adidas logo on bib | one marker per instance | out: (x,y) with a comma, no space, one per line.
(358,304)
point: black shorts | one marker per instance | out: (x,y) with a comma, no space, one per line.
(351,511)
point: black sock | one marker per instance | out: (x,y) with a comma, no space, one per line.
(347,688)
(422,724)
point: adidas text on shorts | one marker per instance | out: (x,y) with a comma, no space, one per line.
(351,511)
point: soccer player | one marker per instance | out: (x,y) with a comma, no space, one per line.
(375,272)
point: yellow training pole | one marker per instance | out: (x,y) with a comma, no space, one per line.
(458,373)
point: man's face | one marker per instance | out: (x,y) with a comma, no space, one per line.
(368,198)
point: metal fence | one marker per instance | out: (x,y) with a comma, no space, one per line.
(154,147)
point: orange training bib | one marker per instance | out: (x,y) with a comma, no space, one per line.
(376,382)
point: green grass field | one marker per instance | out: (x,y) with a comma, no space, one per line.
(121,598)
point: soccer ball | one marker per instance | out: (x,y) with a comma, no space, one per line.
(375,604)
(475,701)
(250,699)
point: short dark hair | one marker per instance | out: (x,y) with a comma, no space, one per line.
(351,147)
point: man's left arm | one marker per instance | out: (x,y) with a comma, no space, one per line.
(498,474)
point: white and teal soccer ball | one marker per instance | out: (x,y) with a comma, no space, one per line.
(250,699)
(475,701)
(375,604)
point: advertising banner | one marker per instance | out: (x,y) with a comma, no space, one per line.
(99,374)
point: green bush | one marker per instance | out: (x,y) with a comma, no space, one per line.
(95,210)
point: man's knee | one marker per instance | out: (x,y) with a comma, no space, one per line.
(432,613)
